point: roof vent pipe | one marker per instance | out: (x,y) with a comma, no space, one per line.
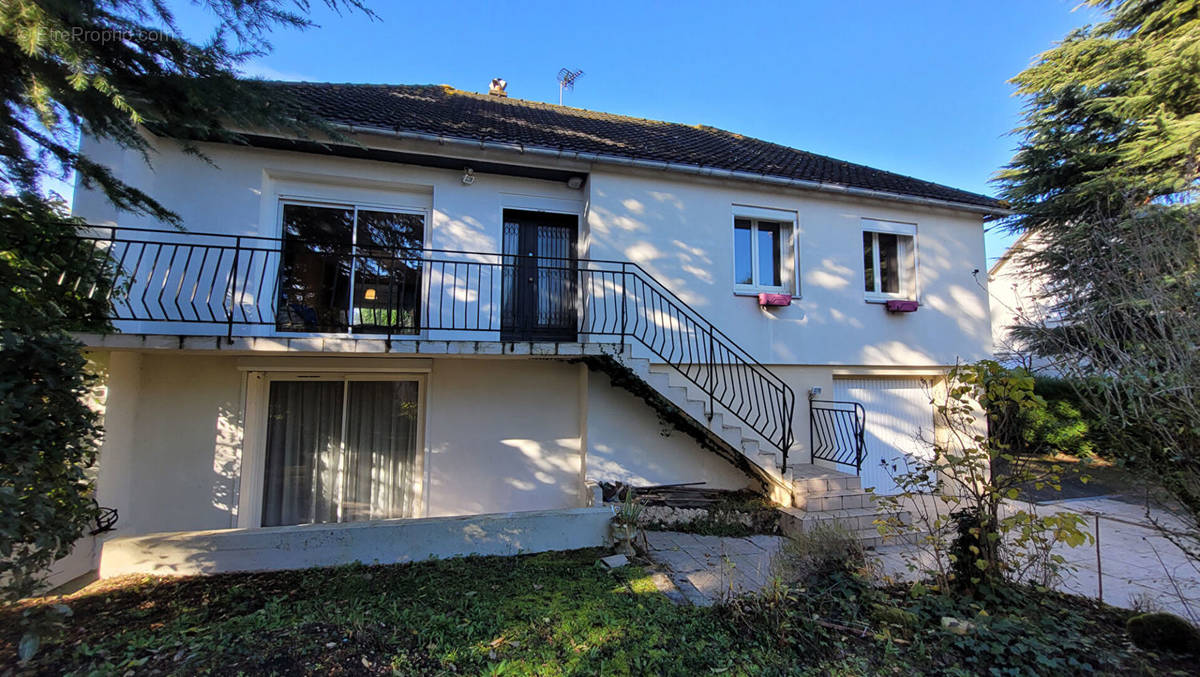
(497,87)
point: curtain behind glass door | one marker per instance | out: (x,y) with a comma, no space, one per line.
(319,471)
(304,436)
(381,449)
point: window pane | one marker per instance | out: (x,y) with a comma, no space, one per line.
(555,278)
(314,289)
(387,276)
(889,263)
(869,260)
(304,432)
(769,254)
(381,449)
(742,254)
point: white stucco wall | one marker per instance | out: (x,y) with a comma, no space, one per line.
(1017,299)
(679,228)
(681,231)
(170,454)
(627,442)
(503,435)
(380,542)
(499,435)
(241,193)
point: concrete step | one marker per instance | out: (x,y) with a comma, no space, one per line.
(639,366)
(768,458)
(859,525)
(798,521)
(833,500)
(684,394)
(805,480)
(662,375)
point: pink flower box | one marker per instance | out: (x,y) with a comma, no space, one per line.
(765,299)
(902,306)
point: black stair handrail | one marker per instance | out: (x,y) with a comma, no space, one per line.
(837,432)
(734,379)
(181,279)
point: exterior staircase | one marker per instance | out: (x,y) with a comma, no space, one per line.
(811,495)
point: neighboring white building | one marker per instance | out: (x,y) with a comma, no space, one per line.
(429,319)
(1016,299)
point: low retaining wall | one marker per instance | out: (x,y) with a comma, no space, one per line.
(379,542)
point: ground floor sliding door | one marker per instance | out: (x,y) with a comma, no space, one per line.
(340,449)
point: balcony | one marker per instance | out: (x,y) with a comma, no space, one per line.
(188,284)
(204,284)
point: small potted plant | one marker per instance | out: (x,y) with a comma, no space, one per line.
(625,522)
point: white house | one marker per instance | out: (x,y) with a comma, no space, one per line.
(476,305)
(1018,297)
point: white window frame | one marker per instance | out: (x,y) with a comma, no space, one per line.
(908,271)
(254,445)
(789,250)
(355,206)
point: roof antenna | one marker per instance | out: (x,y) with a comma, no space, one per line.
(566,80)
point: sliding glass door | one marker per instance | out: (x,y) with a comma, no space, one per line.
(349,269)
(340,450)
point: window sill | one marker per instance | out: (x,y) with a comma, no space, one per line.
(766,290)
(884,299)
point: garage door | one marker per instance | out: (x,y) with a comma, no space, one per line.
(899,419)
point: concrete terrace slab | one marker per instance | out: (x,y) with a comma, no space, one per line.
(372,542)
(283,345)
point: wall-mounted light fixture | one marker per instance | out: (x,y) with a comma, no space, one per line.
(468,176)
(575,182)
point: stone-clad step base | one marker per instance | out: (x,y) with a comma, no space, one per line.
(858,523)
(823,497)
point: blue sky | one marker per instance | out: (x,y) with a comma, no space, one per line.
(919,88)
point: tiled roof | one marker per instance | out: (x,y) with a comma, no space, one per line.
(444,111)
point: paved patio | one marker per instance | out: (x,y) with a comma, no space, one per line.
(707,569)
(1139,565)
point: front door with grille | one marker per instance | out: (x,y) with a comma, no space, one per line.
(540,268)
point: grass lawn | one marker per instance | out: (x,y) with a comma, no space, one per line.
(543,614)
(548,614)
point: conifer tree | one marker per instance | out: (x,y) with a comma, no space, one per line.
(1106,177)
(115,70)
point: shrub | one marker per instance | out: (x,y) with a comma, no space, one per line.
(1050,421)
(48,439)
(820,552)
(968,540)
(1162,631)
(1059,425)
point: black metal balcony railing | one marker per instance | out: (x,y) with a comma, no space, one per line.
(212,284)
(837,432)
